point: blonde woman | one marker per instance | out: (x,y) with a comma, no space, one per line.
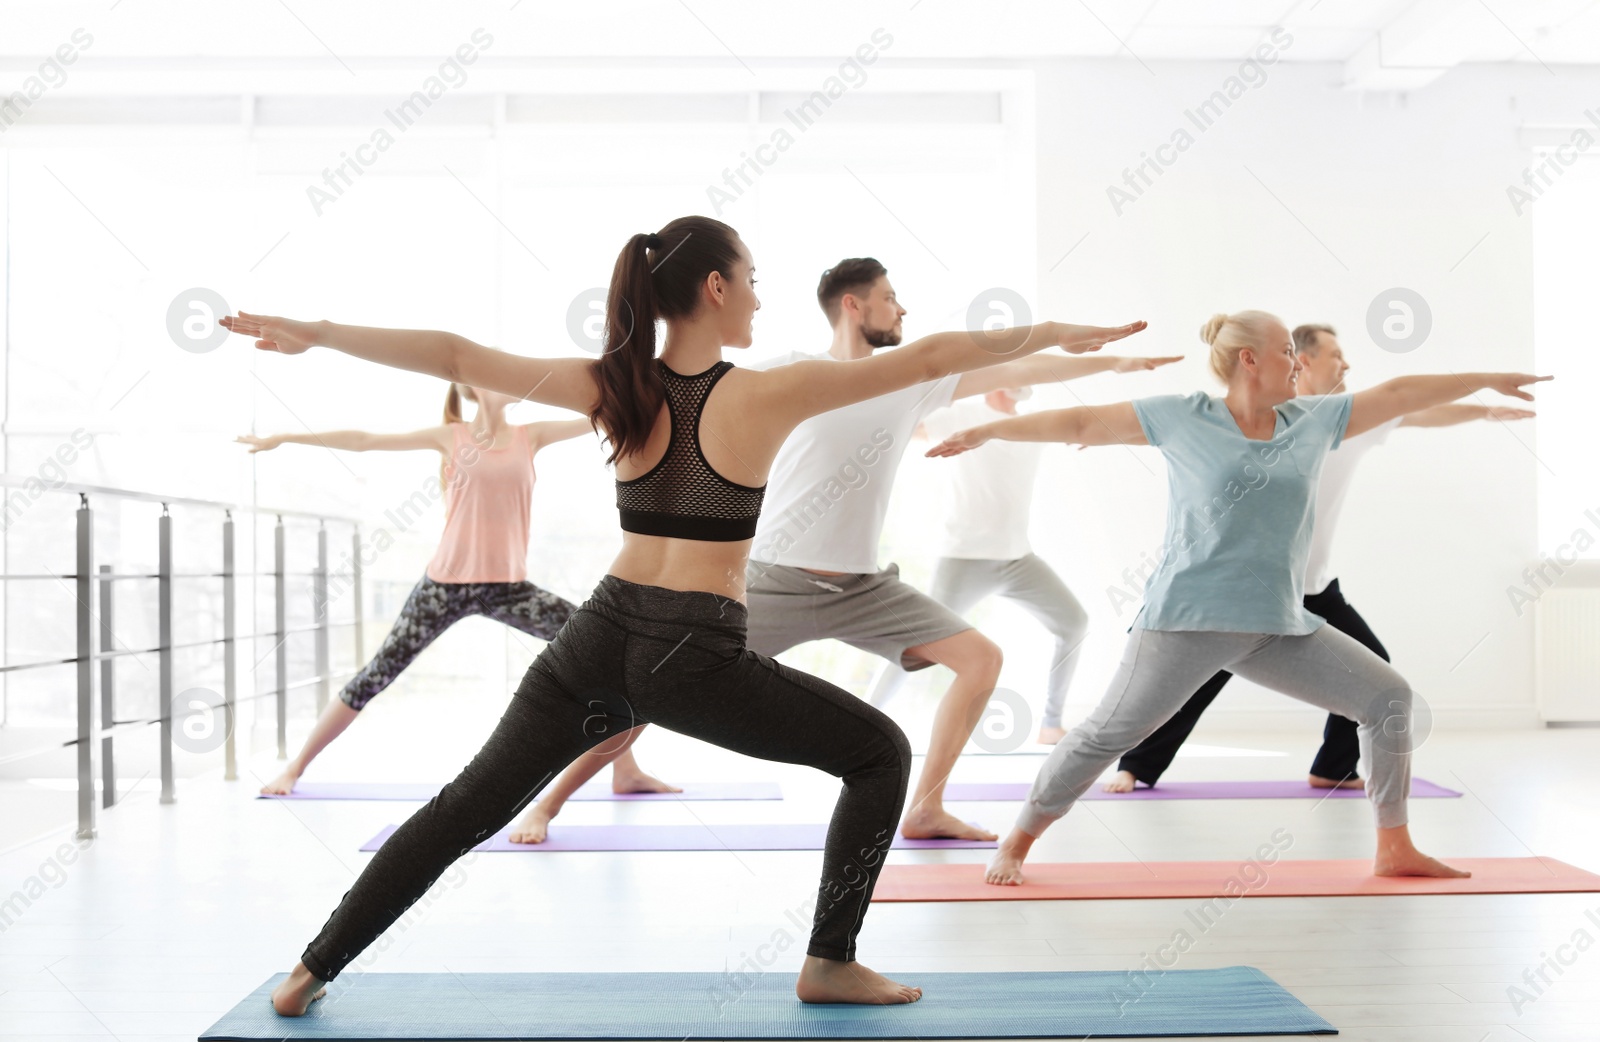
(1322,371)
(1242,475)
(480,566)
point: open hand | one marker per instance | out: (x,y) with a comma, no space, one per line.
(1510,384)
(1134,365)
(259,444)
(1508,412)
(283,335)
(1075,340)
(959,442)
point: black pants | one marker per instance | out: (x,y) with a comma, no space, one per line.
(1340,755)
(632,655)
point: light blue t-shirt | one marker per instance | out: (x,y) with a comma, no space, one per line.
(1238,513)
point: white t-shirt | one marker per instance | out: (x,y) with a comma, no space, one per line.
(988,491)
(828,490)
(1337,471)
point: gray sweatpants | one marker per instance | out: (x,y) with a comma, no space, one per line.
(1161,668)
(961,582)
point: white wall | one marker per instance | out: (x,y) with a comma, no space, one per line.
(1440,522)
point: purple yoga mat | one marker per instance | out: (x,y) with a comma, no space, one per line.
(685,837)
(422,792)
(1225,790)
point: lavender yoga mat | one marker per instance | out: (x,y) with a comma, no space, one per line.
(1224,790)
(422,792)
(781,836)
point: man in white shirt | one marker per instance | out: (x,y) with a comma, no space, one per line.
(1322,371)
(984,548)
(813,571)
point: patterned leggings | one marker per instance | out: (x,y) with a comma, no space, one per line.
(434,607)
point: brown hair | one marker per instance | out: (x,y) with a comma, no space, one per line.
(1305,338)
(452,414)
(1230,334)
(851,275)
(657,276)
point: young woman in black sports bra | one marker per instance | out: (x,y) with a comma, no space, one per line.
(661,639)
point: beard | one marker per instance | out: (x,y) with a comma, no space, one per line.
(877,338)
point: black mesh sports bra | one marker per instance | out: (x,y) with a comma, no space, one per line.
(681,496)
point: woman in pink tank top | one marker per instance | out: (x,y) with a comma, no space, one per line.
(480,567)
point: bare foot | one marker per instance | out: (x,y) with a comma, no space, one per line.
(826,980)
(1122,781)
(296,992)
(1414,863)
(1051,735)
(638,781)
(534,826)
(1329,783)
(1398,856)
(937,823)
(1005,868)
(283,784)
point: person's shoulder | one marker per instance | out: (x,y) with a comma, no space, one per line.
(782,358)
(1194,401)
(1308,406)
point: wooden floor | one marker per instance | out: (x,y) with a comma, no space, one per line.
(175,912)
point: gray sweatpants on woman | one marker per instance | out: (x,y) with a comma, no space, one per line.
(1161,668)
(961,582)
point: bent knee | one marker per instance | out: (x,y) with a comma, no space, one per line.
(1071,627)
(1390,702)
(902,753)
(889,751)
(979,658)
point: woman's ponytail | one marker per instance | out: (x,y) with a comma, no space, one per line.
(658,275)
(452,414)
(630,388)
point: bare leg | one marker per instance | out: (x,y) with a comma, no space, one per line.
(295,994)
(828,980)
(976,662)
(1397,856)
(535,823)
(330,725)
(1005,868)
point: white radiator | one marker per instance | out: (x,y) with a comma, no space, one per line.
(1567,648)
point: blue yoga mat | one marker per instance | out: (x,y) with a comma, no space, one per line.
(1238,1000)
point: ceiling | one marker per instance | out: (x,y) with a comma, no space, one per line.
(1382,44)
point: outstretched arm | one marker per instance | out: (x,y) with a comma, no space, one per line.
(803,389)
(567,382)
(1409,394)
(1085,425)
(1451,415)
(1025,372)
(355,441)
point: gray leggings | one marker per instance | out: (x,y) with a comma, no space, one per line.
(434,607)
(961,582)
(1161,668)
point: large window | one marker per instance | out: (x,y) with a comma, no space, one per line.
(493,215)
